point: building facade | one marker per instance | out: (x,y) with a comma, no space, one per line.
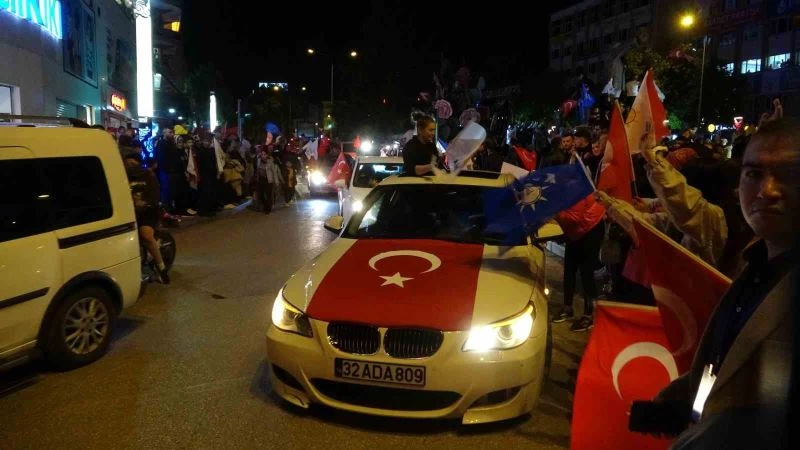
(759,39)
(169,64)
(69,58)
(589,35)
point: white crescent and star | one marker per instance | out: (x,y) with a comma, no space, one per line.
(398,279)
(643,350)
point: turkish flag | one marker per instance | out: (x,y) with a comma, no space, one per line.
(616,170)
(526,157)
(405,282)
(626,360)
(686,289)
(340,170)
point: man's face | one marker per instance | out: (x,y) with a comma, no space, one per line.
(769,189)
(566,143)
(169,134)
(427,133)
(581,142)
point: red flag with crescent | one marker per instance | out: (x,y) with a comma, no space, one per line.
(686,289)
(340,170)
(398,283)
(626,360)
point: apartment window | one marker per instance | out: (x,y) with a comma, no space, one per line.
(777,61)
(567,51)
(752,32)
(555,27)
(607,39)
(751,66)
(568,24)
(728,68)
(625,5)
(608,9)
(729,5)
(555,53)
(6,107)
(727,40)
(581,50)
(778,26)
(622,35)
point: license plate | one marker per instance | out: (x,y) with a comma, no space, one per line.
(379,372)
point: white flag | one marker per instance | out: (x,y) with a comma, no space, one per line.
(464,145)
(518,172)
(220,157)
(311,149)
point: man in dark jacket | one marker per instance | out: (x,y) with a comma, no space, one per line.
(144,191)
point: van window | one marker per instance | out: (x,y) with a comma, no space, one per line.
(22,211)
(39,195)
(78,190)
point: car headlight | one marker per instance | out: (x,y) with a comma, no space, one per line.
(317,178)
(288,318)
(503,335)
(357,206)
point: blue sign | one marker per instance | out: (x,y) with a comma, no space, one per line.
(45,13)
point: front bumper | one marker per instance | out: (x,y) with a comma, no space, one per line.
(477,387)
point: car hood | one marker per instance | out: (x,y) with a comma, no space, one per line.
(416,283)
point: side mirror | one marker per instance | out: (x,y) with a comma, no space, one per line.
(550,231)
(334,224)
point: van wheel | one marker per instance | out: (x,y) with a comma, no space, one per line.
(79,332)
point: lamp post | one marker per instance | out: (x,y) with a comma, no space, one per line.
(688,21)
(311,52)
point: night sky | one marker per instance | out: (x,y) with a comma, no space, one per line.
(399,43)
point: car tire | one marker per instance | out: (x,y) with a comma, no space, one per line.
(87,311)
(548,352)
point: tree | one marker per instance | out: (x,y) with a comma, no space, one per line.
(200,82)
(678,77)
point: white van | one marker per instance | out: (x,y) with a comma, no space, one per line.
(69,248)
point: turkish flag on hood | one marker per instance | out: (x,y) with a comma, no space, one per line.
(404,282)
(340,170)
(686,289)
(626,360)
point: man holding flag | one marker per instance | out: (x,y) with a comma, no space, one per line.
(738,385)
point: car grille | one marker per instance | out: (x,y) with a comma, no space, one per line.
(412,342)
(353,338)
(395,399)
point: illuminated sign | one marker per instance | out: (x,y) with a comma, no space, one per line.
(119,102)
(45,13)
(272,85)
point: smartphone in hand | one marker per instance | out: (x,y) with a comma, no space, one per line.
(659,417)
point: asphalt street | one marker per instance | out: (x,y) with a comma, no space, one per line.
(187,368)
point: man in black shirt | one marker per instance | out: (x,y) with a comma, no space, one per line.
(737,387)
(420,153)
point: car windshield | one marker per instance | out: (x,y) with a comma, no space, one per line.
(368,175)
(444,212)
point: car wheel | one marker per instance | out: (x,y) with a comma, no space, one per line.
(548,352)
(79,331)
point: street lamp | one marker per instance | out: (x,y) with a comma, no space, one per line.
(688,21)
(310,51)
(303,88)
(171,110)
(353,53)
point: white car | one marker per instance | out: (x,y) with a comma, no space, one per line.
(69,249)
(368,172)
(415,312)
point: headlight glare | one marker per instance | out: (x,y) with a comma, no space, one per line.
(503,335)
(288,318)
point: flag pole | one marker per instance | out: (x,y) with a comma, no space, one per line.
(585,172)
